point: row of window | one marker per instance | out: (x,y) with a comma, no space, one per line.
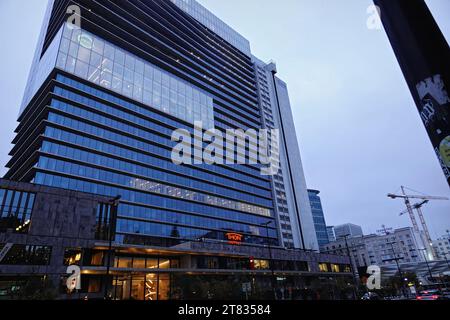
(125,226)
(97,61)
(145,185)
(156,144)
(130,196)
(108,162)
(99,94)
(93,130)
(216,25)
(20,254)
(153,262)
(84,257)
(164,216)
(139,212)
(153,133)
(167,129)
(335,268)
(96,53)
(225,263)
(107,148)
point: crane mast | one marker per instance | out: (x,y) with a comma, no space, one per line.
(410,210)
(425,229)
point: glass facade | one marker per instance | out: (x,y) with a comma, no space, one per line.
(318,217)
(96,60)
(107,115)
(95,142)
(209,20)
(15,210)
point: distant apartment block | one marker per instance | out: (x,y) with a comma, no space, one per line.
(442,247)
(403,245)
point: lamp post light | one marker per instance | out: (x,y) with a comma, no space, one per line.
(355,280)
(446,260)
(428,265)
(269,247)
(448,265)
(111,233)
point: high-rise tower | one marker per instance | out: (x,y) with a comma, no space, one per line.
(103,100)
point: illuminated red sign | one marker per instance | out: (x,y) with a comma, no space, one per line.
(234,238)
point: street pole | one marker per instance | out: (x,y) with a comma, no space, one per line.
(446,260)
(355,290)
(422,52)
(272,270)
(396,258)
(111,232)
(448,265)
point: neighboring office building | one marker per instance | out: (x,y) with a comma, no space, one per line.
(331,235)
(295,218)
(43,230)
(100,107)
(348,229)
(318,217)
(376,249)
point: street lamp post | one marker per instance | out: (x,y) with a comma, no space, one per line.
(355,290)
(428,265)
(272,270)
(400,273)
(111,232)
(396,258)
(448,265)
(446,260)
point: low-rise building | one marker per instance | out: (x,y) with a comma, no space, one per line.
(401,245)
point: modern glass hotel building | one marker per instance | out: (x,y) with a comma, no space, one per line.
(102,102)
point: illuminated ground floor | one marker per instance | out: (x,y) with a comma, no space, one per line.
(189,272)
(58,231)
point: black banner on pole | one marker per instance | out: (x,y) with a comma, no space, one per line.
(424,57)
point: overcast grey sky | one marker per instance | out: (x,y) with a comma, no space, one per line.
(360,134)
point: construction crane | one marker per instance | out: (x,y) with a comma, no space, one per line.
(418,207)
(409,207)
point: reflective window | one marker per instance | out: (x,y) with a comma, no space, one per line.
(154,125)
(27,255)
(209,20)
(72,256)
(93,59)
(323,267)
(150,186)
(15,210)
